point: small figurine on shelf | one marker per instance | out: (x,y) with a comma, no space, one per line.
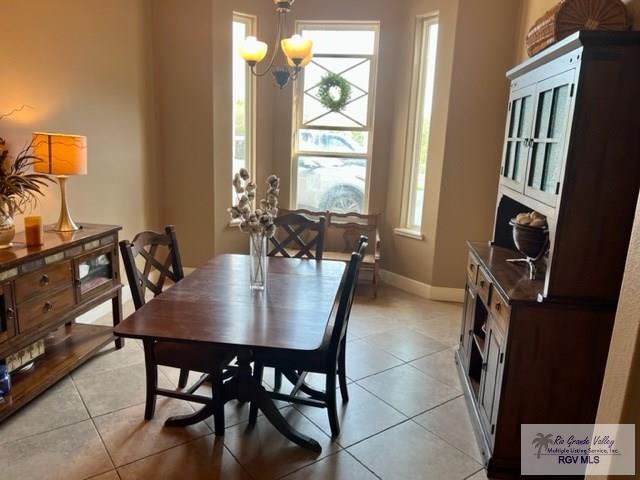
(531,237)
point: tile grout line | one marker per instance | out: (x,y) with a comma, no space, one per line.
(448,443)
(245,469)
(475,473)
(104,446)
(310,464)
(365,466)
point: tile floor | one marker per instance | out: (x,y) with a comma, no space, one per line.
(406,418)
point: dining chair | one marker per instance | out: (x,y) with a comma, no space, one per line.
(161,261)
(298,236)
(329,359)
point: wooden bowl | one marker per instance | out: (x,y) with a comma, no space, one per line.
(532,242)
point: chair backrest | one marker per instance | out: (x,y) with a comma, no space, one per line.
(346,298)
(353,225)
(150,246)
(298,237)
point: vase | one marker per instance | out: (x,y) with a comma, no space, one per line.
(7,232)
(258,259)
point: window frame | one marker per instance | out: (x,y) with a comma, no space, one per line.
(298,109)
(415,123)
(250,22)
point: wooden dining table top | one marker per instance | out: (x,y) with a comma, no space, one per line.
(215,305)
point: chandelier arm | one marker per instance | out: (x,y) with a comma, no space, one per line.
(282,18)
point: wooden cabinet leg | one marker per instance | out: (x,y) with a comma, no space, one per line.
(116,309)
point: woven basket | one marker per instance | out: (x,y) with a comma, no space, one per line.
(569,16)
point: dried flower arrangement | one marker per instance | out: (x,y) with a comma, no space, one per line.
(252,219)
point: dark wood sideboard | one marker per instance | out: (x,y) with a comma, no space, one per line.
(42,291)
(535,351)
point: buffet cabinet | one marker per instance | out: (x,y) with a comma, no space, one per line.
(42,291)
(534,351)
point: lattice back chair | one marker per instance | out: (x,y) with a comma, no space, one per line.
(329,359)
(298,236)
(160,254)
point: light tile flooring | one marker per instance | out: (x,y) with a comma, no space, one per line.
(406,418)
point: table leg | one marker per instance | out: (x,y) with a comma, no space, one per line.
(245,388)
(116,312)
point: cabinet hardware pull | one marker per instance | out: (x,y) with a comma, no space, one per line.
(11,313)
(497,307)
(44,280)
(48,306)
(484,366)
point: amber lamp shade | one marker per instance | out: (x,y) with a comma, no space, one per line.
(296,48)
(253,51)
(62,156)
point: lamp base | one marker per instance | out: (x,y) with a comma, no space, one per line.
(65,222)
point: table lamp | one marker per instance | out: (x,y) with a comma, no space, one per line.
(61,156)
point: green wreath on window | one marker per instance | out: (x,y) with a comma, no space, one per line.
(334,92)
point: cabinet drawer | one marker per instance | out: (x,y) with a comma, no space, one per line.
(43,281)
(40,310)
(484,285)
(500,310)
(472,269)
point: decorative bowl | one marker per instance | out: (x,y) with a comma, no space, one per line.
(532,242)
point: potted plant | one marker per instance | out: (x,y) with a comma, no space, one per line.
(19,188)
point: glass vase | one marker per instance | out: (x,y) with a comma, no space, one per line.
(258,259)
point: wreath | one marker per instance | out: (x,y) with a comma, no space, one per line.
(334,92)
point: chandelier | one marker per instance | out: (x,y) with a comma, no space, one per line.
(296,50)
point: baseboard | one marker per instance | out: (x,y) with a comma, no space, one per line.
(430,292)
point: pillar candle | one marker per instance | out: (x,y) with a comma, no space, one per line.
(33,230)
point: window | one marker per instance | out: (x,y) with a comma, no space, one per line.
(419,122)
(332,149)
(243,95)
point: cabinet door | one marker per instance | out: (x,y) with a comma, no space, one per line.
(490,382)
(7,313)
(466,335)
(517,139)
(553,108)
(95,272)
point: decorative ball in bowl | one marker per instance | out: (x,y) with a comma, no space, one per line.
(530,234)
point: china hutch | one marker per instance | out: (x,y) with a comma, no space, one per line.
(535,351)
(42,291)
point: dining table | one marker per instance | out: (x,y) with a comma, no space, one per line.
(215,305)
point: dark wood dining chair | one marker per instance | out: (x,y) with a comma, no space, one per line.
(298,236)
(161,261)
(329,359)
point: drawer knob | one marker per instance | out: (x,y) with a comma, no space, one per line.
(497,307)
(48,306)
(44,280)
(11,313)
(484,366)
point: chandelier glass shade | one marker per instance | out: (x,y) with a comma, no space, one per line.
(297,51)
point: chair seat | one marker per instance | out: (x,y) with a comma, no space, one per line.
(201,358)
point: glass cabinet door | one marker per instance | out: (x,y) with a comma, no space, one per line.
(95,272)
(553,108)
(519,122)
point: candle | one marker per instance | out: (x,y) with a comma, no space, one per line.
(33,231)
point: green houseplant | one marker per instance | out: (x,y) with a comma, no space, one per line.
(19,187)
